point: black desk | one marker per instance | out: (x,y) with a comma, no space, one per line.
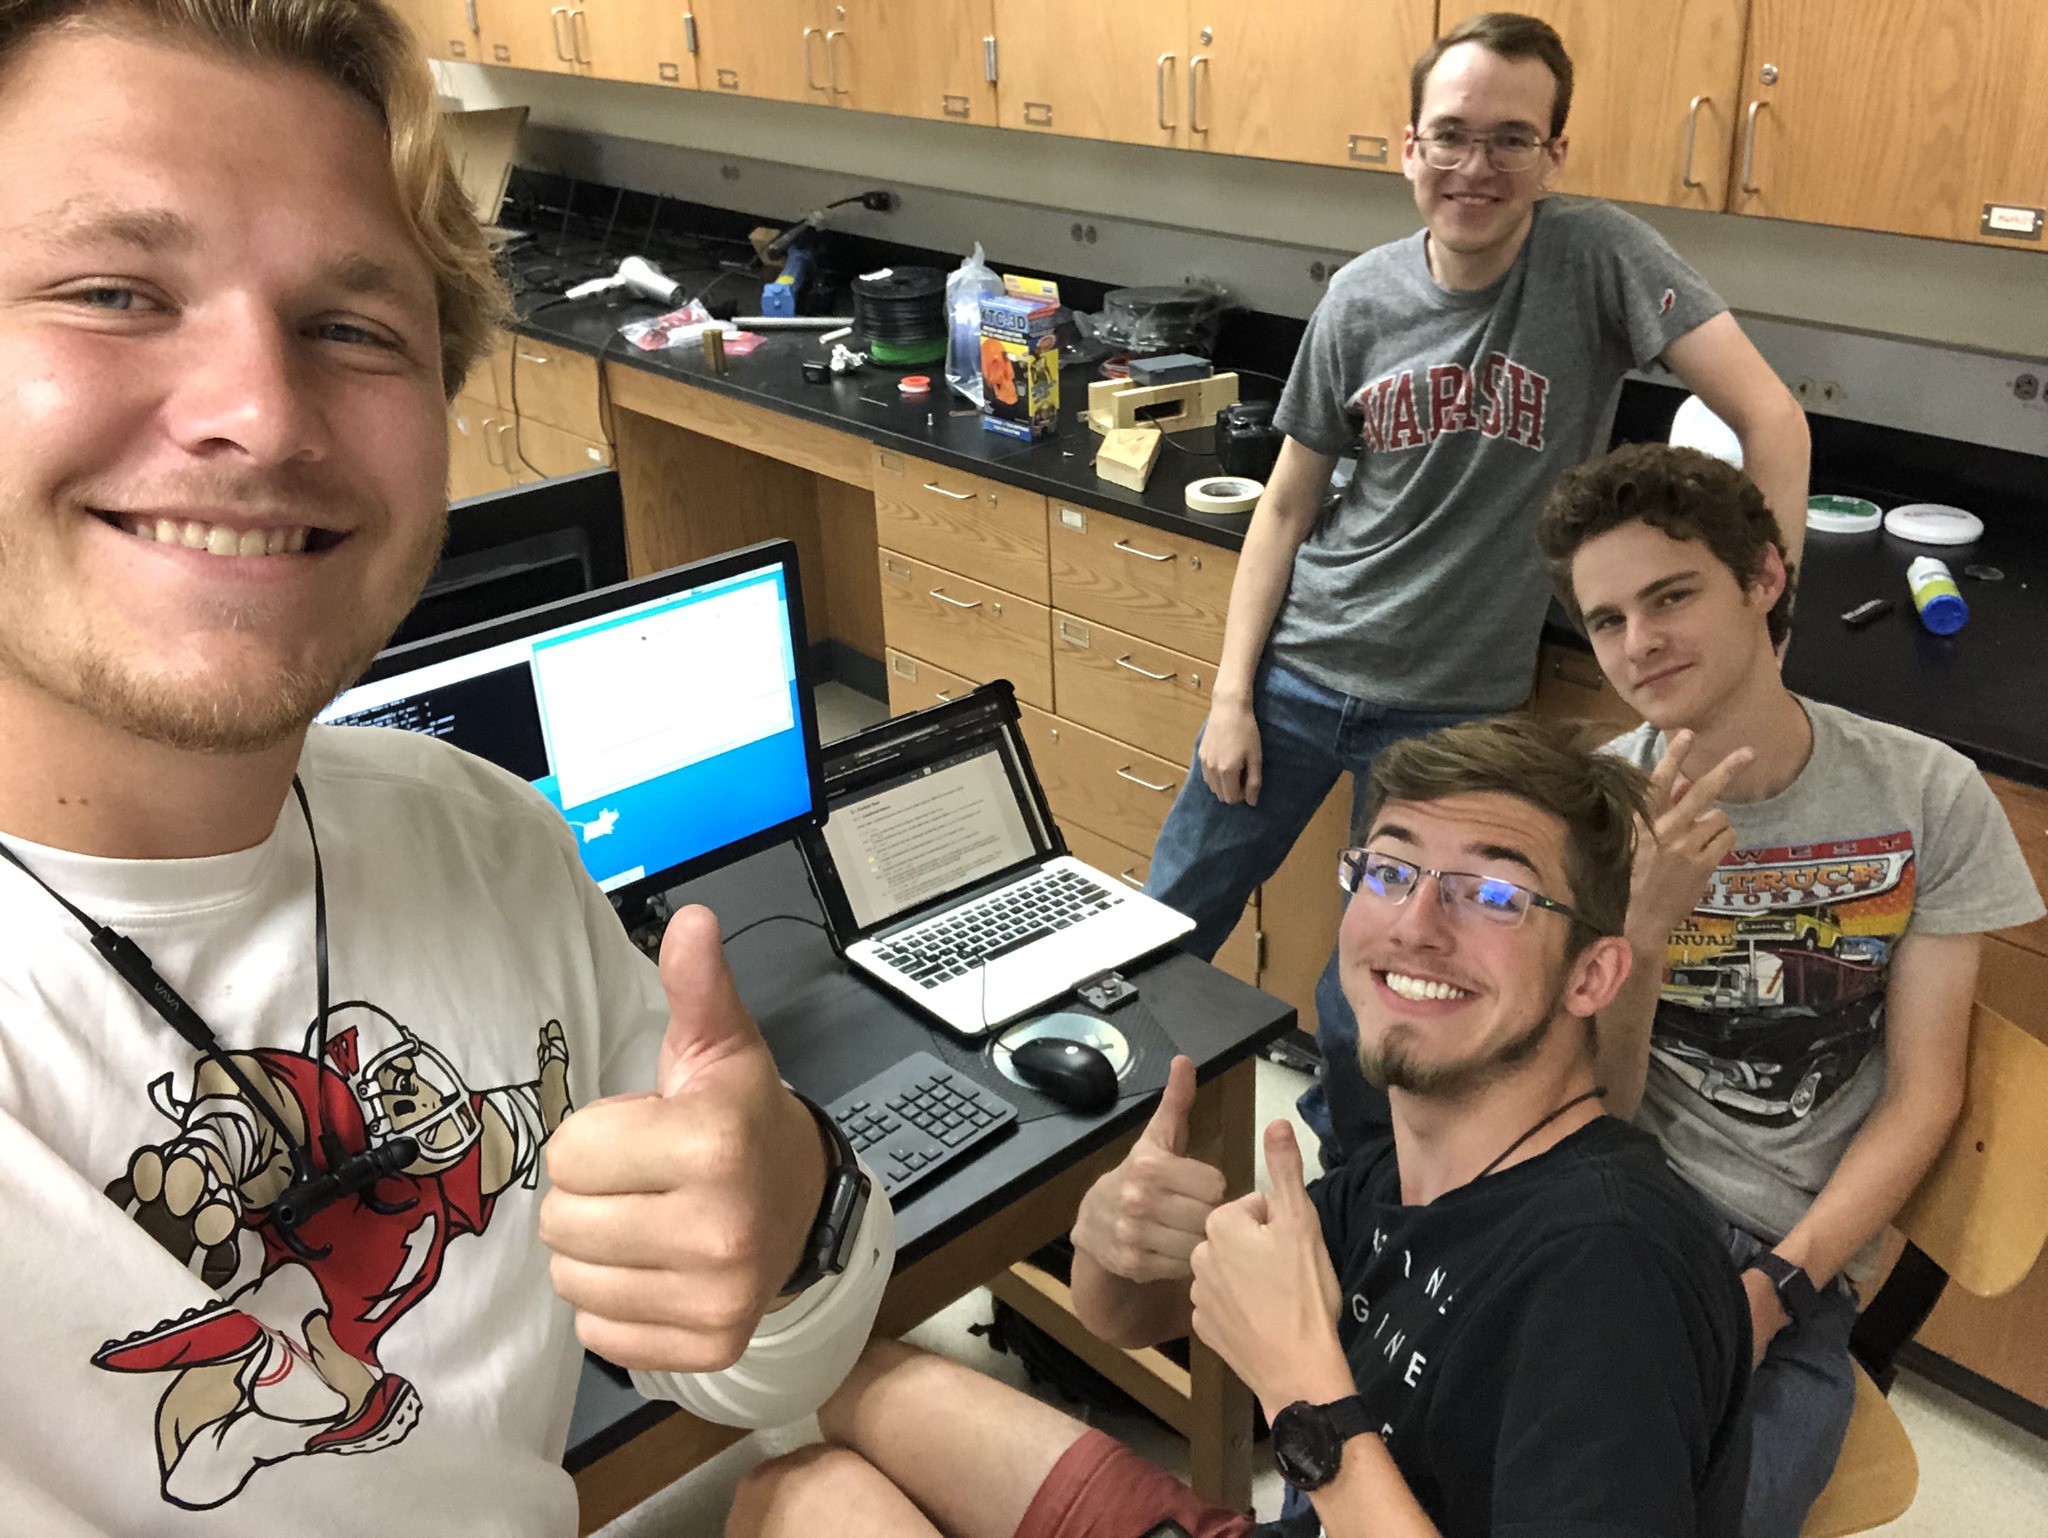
(829,1030)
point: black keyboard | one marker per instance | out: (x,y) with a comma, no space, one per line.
(916,1117)
(957,942)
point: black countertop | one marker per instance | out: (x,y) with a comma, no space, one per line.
(1983,690)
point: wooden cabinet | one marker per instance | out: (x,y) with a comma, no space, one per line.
(1132,688)
(1169,588)
(1302,905)
(1319,81)
(915,684)
(982,631)
(477,439)
(651,41)
(1569,686)
(772,48)
(1655,99)
(1096,782)
(554,385)
(1238,955)
(980,528)
(1091,70)
(1907,115)
(912,58)
(446,29)
(526,34)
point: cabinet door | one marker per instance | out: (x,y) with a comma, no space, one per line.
(641,40)
(913,58)
(1655,98)
(526,34)
(474,446)
(1094,70)
(1918,116)
(773,48)
(446,29)
(1323,81)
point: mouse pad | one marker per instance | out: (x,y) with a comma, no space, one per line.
(1152,1053)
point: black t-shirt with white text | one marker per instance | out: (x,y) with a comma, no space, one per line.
(1557,1349)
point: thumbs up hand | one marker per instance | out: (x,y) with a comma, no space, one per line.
(675,1217)
(1144,1218)
(1265,1294)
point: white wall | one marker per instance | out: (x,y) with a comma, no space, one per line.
(1936,291)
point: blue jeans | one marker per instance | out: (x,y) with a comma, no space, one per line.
(1800,1398)
(1210,856)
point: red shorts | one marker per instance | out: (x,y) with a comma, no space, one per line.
(1101,1489)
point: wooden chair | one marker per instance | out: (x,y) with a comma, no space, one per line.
(1980,1218)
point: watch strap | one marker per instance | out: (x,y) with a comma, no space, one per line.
(842,1206)
(1349,1417)
(1793,1286)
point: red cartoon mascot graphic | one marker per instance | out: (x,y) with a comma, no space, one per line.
(285,1364)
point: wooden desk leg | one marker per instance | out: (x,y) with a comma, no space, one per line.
(1223,1131)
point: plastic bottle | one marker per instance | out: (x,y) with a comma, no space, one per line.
(1941,607)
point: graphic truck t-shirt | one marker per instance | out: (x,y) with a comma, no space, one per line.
(1767,1052)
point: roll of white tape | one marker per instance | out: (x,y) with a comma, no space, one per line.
(1224,494)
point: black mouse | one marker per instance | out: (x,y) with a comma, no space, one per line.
(1075,1074)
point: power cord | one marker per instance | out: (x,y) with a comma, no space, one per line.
(793,918)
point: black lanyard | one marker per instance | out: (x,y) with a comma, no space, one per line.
(312,1188)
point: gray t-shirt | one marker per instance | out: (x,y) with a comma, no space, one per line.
(1423,589)
(1767,1051)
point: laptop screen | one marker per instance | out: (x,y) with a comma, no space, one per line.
(917,836)
(669,719)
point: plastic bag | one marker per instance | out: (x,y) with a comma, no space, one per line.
(670,330)
(966,286)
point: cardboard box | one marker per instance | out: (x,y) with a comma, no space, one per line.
(1020,360)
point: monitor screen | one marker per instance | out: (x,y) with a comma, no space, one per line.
(669,719)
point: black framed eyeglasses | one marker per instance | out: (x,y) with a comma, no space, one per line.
(1507,150)
(1465,893)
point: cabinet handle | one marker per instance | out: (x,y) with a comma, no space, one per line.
(832,62)
(1196,66)
(1749,147)
(534,357)
(1131,878)
(989,60)
(956,603)
(504,460)
(558,17)
(944,697)
(485,428)
(1134,550)
(1692,133)
(1159,83)
(1157,678)
(1125,774)
(579,35)
(689,30)
(810,79)
(957,496)
(469,12)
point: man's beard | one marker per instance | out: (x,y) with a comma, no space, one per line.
(1391,1065)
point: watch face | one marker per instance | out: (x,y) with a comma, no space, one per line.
(1305,1446)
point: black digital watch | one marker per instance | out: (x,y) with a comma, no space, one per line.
(1308,1439)
(1796,1292)
(829,1245)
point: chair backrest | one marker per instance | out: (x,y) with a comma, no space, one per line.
(1981,1212)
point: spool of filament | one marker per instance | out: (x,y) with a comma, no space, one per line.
(901,312)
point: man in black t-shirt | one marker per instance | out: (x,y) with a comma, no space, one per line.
(1509,1319)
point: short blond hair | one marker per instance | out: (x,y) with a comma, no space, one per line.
(361,47)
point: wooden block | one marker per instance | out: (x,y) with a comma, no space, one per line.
(1172,408)
(1127,454)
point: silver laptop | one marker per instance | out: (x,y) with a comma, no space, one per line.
(944,878)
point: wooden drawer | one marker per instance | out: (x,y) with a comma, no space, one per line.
(1167,588)
(1571,687)
(2026,807)
(1142,693)
(1238,955)
(544,452)
(477,442)
(1098,783)
(554,385)
(977,631)
(965,523)
(914,684)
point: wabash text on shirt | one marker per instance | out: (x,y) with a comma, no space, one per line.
(1499,399)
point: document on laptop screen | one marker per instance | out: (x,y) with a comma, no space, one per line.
(916,839)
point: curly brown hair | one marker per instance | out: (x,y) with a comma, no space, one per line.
(364,49)
(1597,796)
(1683,493)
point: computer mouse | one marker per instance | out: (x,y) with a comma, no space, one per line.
(1075,1074)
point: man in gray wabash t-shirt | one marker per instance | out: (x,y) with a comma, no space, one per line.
(1476,361)
(1806,916)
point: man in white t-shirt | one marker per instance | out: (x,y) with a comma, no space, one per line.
(293,1020)
(1806,916)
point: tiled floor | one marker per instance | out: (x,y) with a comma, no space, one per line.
(1979,1475)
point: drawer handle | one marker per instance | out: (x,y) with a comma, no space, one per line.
(957,496)
(1130,878)
(944,697)
(1157,678)
(1125,774)
(530,357)
(956,603)
(1134,550)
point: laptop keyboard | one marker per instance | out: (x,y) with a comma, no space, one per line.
(917,1116)
(958,941)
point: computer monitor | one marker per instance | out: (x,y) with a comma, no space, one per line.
(509,551)
(669,719)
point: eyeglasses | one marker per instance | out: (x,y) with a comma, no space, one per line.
(1509,150)
(1467,895)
